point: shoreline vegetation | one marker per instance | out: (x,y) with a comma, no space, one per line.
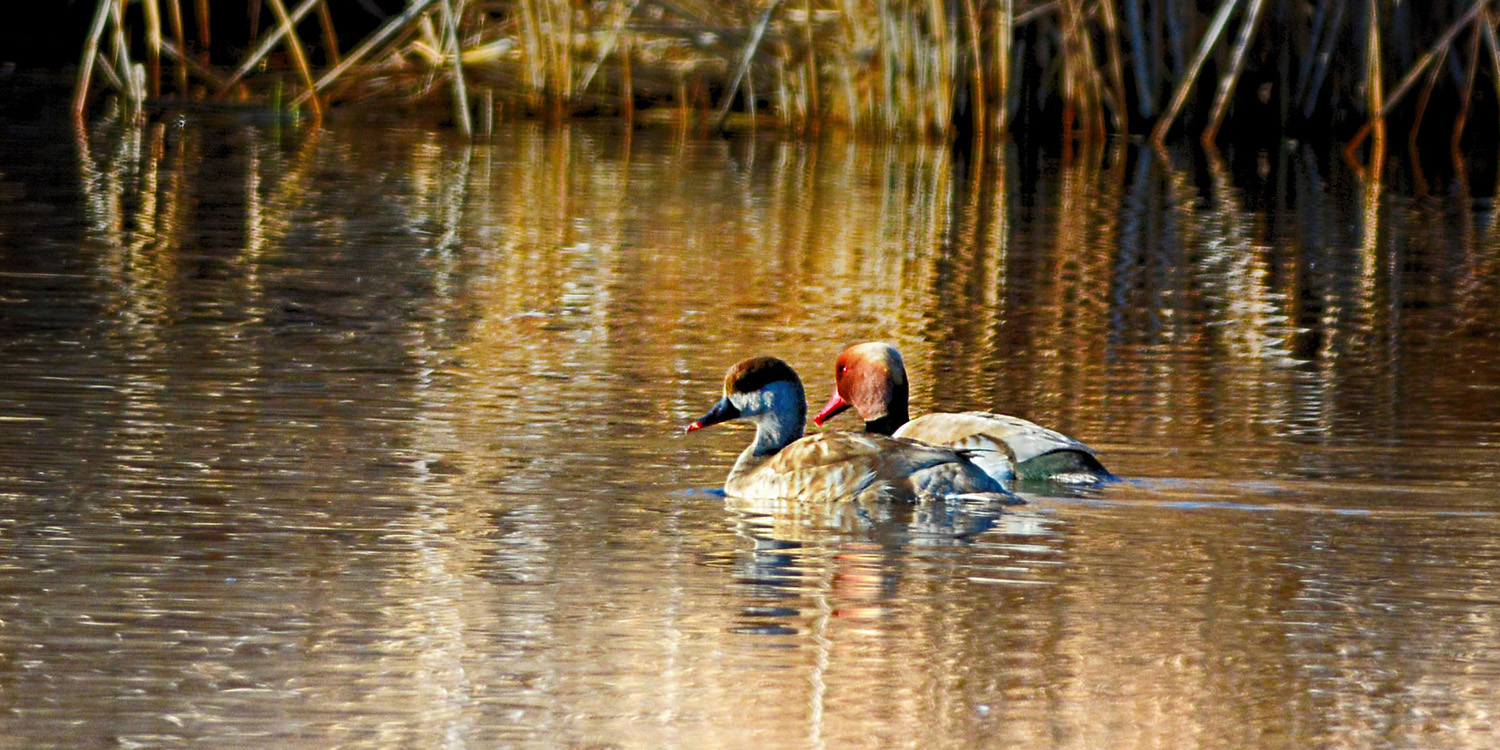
(1341,72)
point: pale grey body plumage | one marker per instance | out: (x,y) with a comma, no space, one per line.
(997,442)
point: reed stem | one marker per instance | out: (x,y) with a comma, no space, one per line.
(131,84)
(1004,40)
(1159,133)
(175,18)
(90,52)
(745,59)
(198,69)
(395,24)
(294,47)
(1116,67)
(1145,92)
(204,39)
(1236,66)
(330,36)
(1422,100)
(1380,106)
(152,12)
(460,89)
(609,43)
(267,44)
(882,66)
(976,69)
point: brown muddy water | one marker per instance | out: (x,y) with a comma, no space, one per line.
(370,438)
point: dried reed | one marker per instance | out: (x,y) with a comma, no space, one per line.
(1070,69)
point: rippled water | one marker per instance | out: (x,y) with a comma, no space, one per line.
(367,437)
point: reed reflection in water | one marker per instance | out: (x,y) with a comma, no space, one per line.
(372,438)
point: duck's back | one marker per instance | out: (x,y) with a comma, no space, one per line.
(1005,445)
(837,465)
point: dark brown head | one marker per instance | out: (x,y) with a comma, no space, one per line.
(756,386)
(871,378)
(756,373)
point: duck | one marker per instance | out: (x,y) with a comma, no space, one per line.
(871,378)
(783,464)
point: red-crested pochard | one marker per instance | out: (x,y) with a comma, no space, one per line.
(871,378)
(829,466)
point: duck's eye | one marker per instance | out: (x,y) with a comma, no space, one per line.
(842,368)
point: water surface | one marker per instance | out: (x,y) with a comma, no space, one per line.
(368,437)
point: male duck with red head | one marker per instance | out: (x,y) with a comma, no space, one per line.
(871,378)
(782,464)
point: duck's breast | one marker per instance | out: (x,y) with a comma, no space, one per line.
(838,465)
(826,465)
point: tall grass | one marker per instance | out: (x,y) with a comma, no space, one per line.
(1074,70)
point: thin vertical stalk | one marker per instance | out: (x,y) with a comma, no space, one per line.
(1096,93)
(1422,99)
(1174,18)
(1381,104)
(294,48)
(849,98)
(152,11)
(746,58)
(609,43)
(133,87)
(1004,39)
(560,20)
(750,96)
(1374,88)
(627,83)
(542,11)
(175,18)
(90,52)
(201,14)
(254,18)
(1159,133)
(1236,66)
(682,102)
(1069,79)
(976,69)
(460,90)
(330,36)
(886,98)
(1314,43)
(532,50)
(1375,93)
(487,113)
(1080,73)
(1116,67)
(1325,59)
(1145,96)
(936,106)
(785,106)
(812,110)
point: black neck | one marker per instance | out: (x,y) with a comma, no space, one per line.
(887,424)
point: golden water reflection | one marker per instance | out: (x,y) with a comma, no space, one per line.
(372,438)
